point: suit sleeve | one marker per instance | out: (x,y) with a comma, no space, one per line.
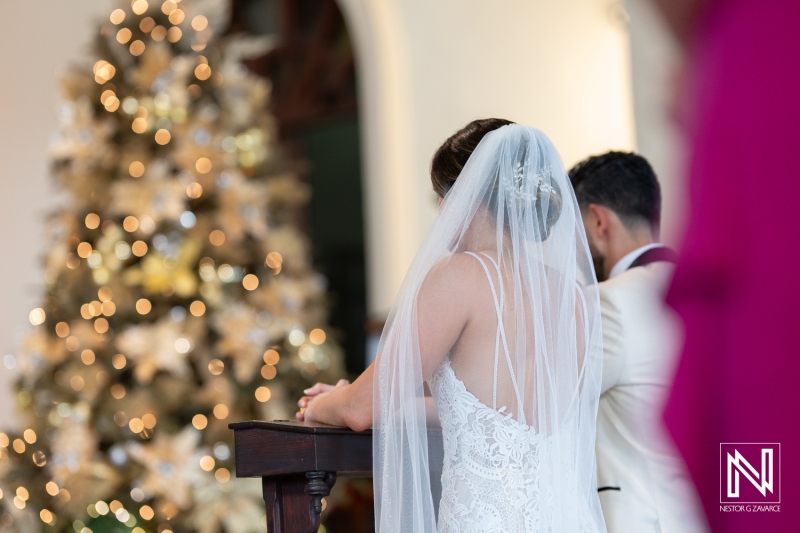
(613,352)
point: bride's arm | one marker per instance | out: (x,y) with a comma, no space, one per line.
(444,305)
(443,309)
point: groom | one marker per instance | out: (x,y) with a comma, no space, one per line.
(642,482)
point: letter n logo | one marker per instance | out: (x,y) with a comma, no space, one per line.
(750,472)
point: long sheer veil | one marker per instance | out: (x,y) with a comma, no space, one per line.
(515,190)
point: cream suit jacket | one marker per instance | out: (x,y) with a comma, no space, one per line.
(643,485)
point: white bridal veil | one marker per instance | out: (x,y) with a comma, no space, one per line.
(514,206)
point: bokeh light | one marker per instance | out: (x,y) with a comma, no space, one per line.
(221,411)
(194,190)
(84,250)
(139,248)
(222,475)
(118,391)
(92,221)
(87,357)
(101,506)
(199,23)
(46,516)
(197,308)
(216,367)
(52,488)
(139,6)
(137,47)
(77,383)
(250,282)
(117,16)
(207,463)
(62,329)
(296,337)
(146,512)
(109,308)
(119,361)
(202,72)
(130,105)
(106,96)
(274,260)
(130,224)
(143,306)
(159,33)
(271,357)
(37,316)
(136,425)
(268,371)
(217,237)
(149,421)
(124,35)
(317,336)
(177,16)
(174,34)
(168,7)
(139,125)
(203,165)
(187,219)
(163,136)
(136,169)
(183,345)
(29,435)
(263,394)
(39,458)
(147,24)
(199,421)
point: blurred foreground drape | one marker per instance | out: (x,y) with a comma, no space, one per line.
(736,285)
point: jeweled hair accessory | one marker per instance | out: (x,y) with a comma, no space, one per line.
(516,186)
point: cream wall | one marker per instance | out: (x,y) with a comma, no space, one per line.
(427,68)
(35,39)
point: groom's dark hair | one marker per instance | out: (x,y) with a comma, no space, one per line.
(452,155)
(621,181)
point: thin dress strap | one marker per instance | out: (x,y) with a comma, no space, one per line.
(501,334)
(505,340)
(499,325)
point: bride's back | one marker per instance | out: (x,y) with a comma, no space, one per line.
(479,351)
(496,466)
(499,316)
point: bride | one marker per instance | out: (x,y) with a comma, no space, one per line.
(484,394)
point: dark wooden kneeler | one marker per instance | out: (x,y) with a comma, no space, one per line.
(298,463)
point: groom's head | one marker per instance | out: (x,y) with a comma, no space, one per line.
(620,201)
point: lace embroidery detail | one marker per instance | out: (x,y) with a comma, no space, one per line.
(491,463)
(492,472)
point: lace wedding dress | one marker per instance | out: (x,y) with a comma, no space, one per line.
(492,476)
(512,449)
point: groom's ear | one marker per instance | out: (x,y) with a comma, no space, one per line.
(598,219)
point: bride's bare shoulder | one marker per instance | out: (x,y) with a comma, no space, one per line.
(454,272)
(446,295)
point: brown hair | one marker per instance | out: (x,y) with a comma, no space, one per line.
(452,155)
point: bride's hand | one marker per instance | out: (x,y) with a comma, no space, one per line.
(313,392)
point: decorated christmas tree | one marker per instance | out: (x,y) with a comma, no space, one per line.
(179,292)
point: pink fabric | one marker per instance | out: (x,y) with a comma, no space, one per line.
(737,283)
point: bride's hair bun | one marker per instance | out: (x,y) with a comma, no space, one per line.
(548,197)
(452,155)
(537,190)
